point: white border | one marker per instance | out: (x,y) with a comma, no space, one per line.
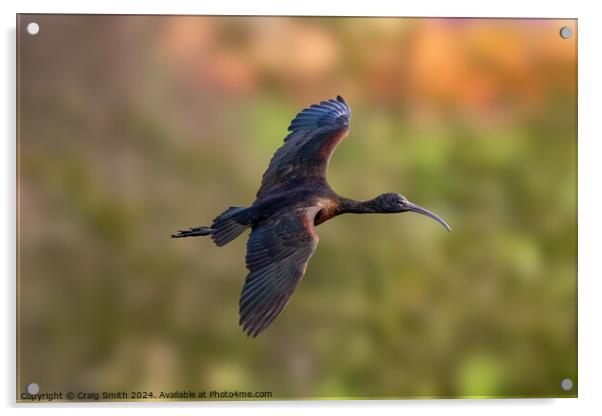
(590,206)
(509,8)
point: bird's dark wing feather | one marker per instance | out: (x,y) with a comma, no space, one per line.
(277,255)
(314,134)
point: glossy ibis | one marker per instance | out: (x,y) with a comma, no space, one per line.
(294,197)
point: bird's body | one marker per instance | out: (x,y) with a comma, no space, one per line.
(294,198)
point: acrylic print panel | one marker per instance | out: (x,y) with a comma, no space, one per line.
(131,128)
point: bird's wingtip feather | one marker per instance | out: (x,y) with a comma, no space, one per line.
(333,112)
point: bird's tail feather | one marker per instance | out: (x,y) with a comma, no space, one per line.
(193,232)
(227,226)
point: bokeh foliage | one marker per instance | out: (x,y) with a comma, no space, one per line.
(133,127)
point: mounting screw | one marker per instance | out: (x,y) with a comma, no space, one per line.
(566,32)
(33,28)
(566,384)
(33,388)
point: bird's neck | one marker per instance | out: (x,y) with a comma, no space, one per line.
(351,206)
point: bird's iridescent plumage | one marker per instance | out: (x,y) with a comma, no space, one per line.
(293,198)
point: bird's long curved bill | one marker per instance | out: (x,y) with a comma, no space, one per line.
(418,209)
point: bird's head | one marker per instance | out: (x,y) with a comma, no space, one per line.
(394,203)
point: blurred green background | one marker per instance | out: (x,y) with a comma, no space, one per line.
(133,127)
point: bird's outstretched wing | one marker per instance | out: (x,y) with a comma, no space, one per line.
(314,134)
(277,255)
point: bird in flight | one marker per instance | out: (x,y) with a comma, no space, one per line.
(294,198)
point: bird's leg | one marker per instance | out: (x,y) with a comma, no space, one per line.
(193,232)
